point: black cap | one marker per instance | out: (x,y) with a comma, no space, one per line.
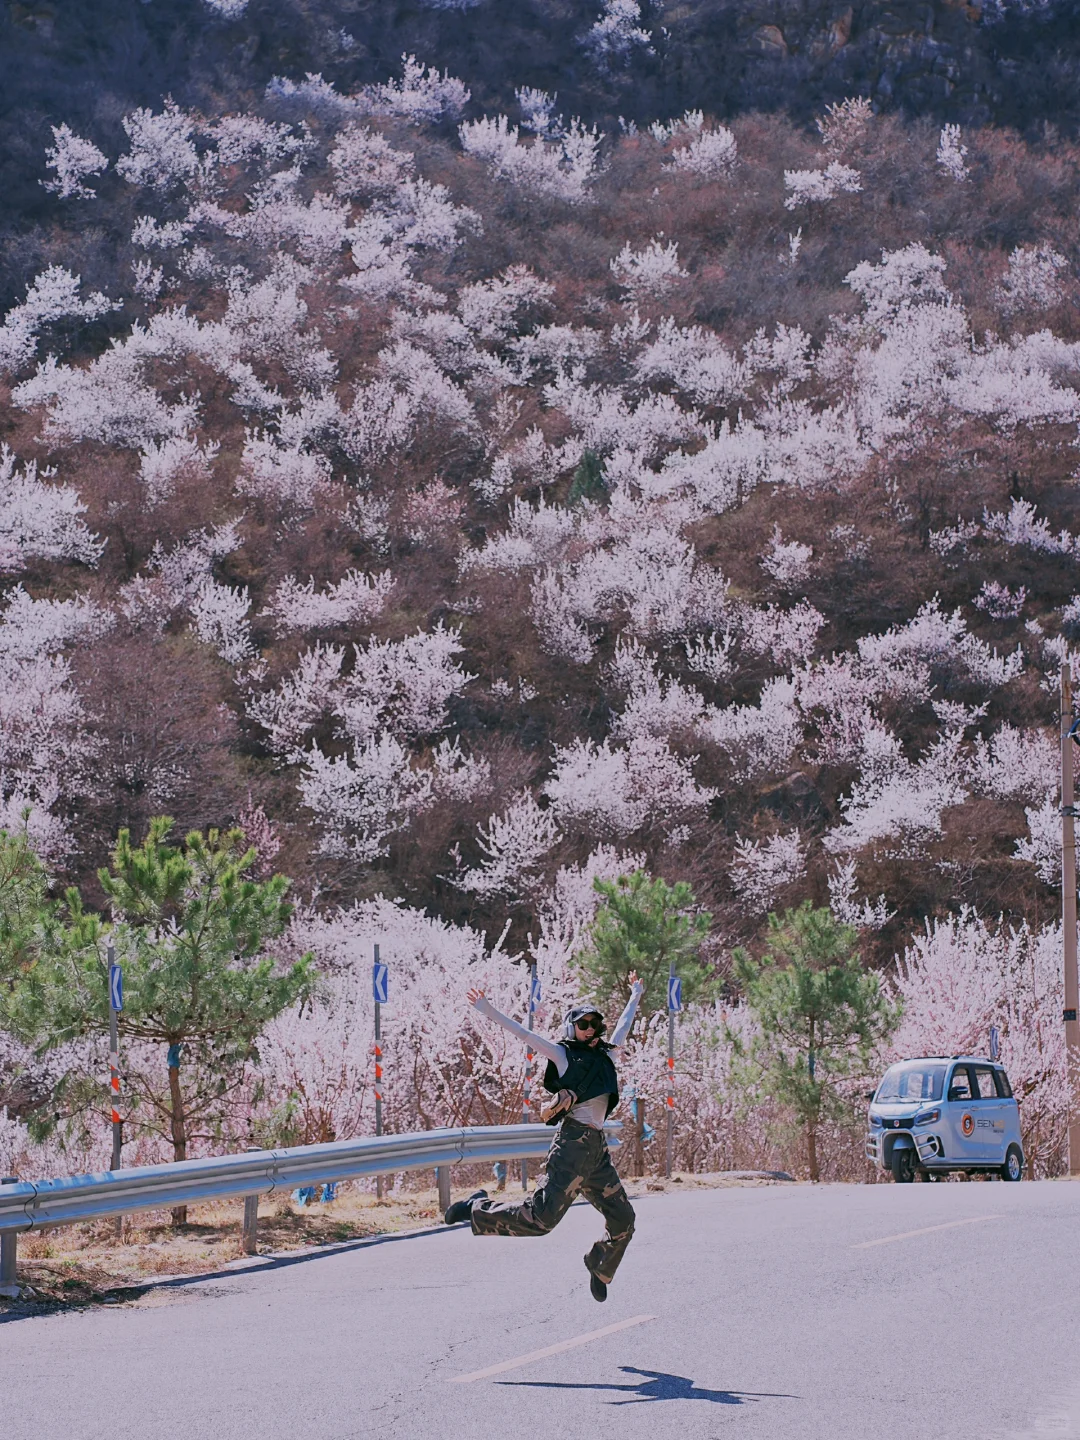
(578,1012)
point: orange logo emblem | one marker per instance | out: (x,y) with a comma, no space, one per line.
(967,1125)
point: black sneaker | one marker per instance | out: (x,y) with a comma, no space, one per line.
(462,1209)
(597,1287)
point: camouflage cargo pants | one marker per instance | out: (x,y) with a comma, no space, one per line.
(578,1163)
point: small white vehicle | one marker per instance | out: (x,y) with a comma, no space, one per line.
(930,1116)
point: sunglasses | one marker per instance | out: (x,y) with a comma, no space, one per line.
(589,1026)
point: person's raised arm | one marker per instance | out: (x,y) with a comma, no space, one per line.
(548,1048)
(626,1019)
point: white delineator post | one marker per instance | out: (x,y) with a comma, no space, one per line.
(1068,918)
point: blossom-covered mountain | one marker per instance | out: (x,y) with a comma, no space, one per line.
(471,496)
(472,505)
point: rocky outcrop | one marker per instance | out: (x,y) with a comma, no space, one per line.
(87,64)
(912,55)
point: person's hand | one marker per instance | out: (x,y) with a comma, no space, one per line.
(634,978)
(474,995)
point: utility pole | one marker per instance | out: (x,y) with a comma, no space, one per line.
(1068,916)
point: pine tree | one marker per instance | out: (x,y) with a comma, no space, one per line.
(821,1016)
(589,482)
(643,924)
(24,907)
(190,929)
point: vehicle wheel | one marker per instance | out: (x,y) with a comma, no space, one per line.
(902,1165)
(1013,1169)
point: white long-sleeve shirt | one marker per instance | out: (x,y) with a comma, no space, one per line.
(590,1112)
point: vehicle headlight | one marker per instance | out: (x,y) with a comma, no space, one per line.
(927,1117)
(875,1121)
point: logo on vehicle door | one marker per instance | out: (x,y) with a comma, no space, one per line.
(967,1124)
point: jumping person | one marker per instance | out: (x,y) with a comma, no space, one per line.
(581,1072)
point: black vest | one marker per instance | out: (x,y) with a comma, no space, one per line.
(589,1072)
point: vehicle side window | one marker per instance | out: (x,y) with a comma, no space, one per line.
(960,1084)
(984,1080)
(1004,1088)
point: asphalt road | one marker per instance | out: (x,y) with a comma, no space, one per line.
(777,1315)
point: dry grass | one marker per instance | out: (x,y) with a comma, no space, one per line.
(84,1264)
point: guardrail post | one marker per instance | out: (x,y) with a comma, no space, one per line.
(9,1246)
(442,1180)
(249,1242)
(639,1138)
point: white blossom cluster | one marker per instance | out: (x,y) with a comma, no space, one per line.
(618,33)
(560,169)
(52,296)
(710,154)
(950,153)
(763,870)
(809,187)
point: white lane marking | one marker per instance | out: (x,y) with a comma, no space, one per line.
(549,1350)
(927,1230)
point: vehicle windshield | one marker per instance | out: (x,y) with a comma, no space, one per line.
(914,1080)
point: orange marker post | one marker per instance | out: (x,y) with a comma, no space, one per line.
(379,985)
(674,1002)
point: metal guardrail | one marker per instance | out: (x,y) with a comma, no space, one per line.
(31,1204)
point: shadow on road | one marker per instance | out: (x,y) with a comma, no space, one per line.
(656,1385)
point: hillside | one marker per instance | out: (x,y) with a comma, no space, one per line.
(469,512)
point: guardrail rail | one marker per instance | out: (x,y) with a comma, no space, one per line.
(27,1205)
